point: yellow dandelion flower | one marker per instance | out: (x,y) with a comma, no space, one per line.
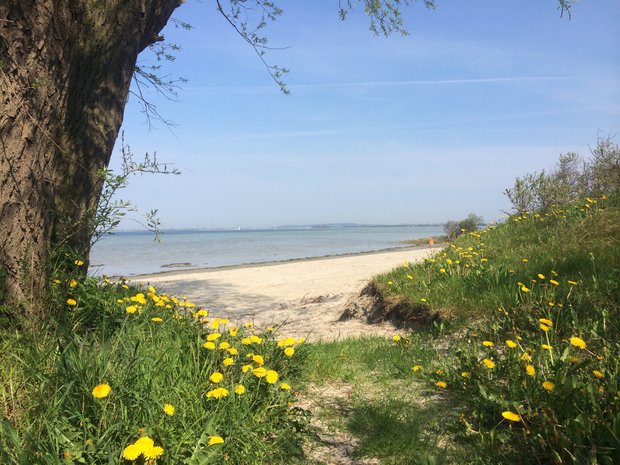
(239,389)
(466,374)
(209,345)
(72,283)
(153,453)
(548,386)
(258,359)
(101,390)
(79,262)
(545,328)
(530,370)
(131,309)
(71,302)
(217,393)
(213,336)
(540,276)
(578,342)
(487,343)
(233,331)
(597,374)
(289,351)
(554,282)
(441,384)
(526,357)
(246,368)
(572,283)
(547,347)
(271,377)
(396,338)
(259,372)
(216,377)
(132,452)
(511,344)
(215,440)
(145,443)
(416,368)
(248,324)
(232,351)
(201,314)
(442,270)
(525,289)
(246,341)
(156,319)
(525,260)
(169,409)
(490,364)
(511,416)
(423,300)
(228,361)
(545,321)
(285,386)
(255,339)
(224,345)
(286,342)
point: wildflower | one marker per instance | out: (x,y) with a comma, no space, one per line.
(441,384)
(72,283)
(546,322)
(442,270)
(572,283)
(255,339)
(396,338)
(216,377)
(409,276)
(548,386)
(289,351)
(209,345)
(526,357)
(525,289)
(285,386)
(156,319)
(217,393)
(547,347)
(169,409)
(541,276)
(530,370)
(525,260)
(71,302)
(554,282)
(213,336)
(511,344)
(259,372)
(597,374)
(286,342)
(239,389)
(246,368)
(545,328)
(416,368)
(228,361)
(511,416)
(101,390)
(423,300)
(271,377)
(487,343)
(132,452)
(215,440)
(258,359)
(573,359)
(577,342)
(131,309)
(490,364)
(224,345)
(79,262)
(246,341)
(201,314)
(466,374)
(233,331)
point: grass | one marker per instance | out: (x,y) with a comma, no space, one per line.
(523,367)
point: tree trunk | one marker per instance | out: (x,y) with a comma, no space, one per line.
(65,70)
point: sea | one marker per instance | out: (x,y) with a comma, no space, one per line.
(129,253)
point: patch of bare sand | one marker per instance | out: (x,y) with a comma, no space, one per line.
(305,297)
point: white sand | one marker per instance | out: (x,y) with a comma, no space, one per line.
(305,297)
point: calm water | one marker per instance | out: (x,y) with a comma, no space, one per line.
(133,253)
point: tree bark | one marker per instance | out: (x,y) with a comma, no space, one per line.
(65,71)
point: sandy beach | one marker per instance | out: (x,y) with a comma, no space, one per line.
(303,297)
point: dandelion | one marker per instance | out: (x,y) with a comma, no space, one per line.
(525,260)
(213,336)
(169,409)
(547,347)
(233,331)
(441,384)
(541,276)
(101,390)
(71,302)
(224,345)
(239,389)
(597,374)
(487,343)
(577,342)
(216,377)
(490,364)
(525,289)
(246,368)
(466,374)
(554,282)
(228,361)
(511,416)
(255,339)
(201,314)
(209,345)
(530,370)
(286,342)
(285,386)
(511,344)
(131,309)
(396,338)
(545,328)
(132,452)
(79,262)
(572,283)
(258,359)
(215,440)
(416,368)
(271,377)
(217,393)
(232,351)
(423,300)
(548,386)
(259,372)
(442,270)
(156,319)
(545,321)
(72,283)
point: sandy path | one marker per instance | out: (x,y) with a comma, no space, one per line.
(306,297)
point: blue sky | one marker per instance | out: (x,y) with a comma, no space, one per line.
(415,129)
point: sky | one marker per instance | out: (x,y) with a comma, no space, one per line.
(413,129)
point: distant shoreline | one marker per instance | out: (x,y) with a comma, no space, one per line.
(175,272)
